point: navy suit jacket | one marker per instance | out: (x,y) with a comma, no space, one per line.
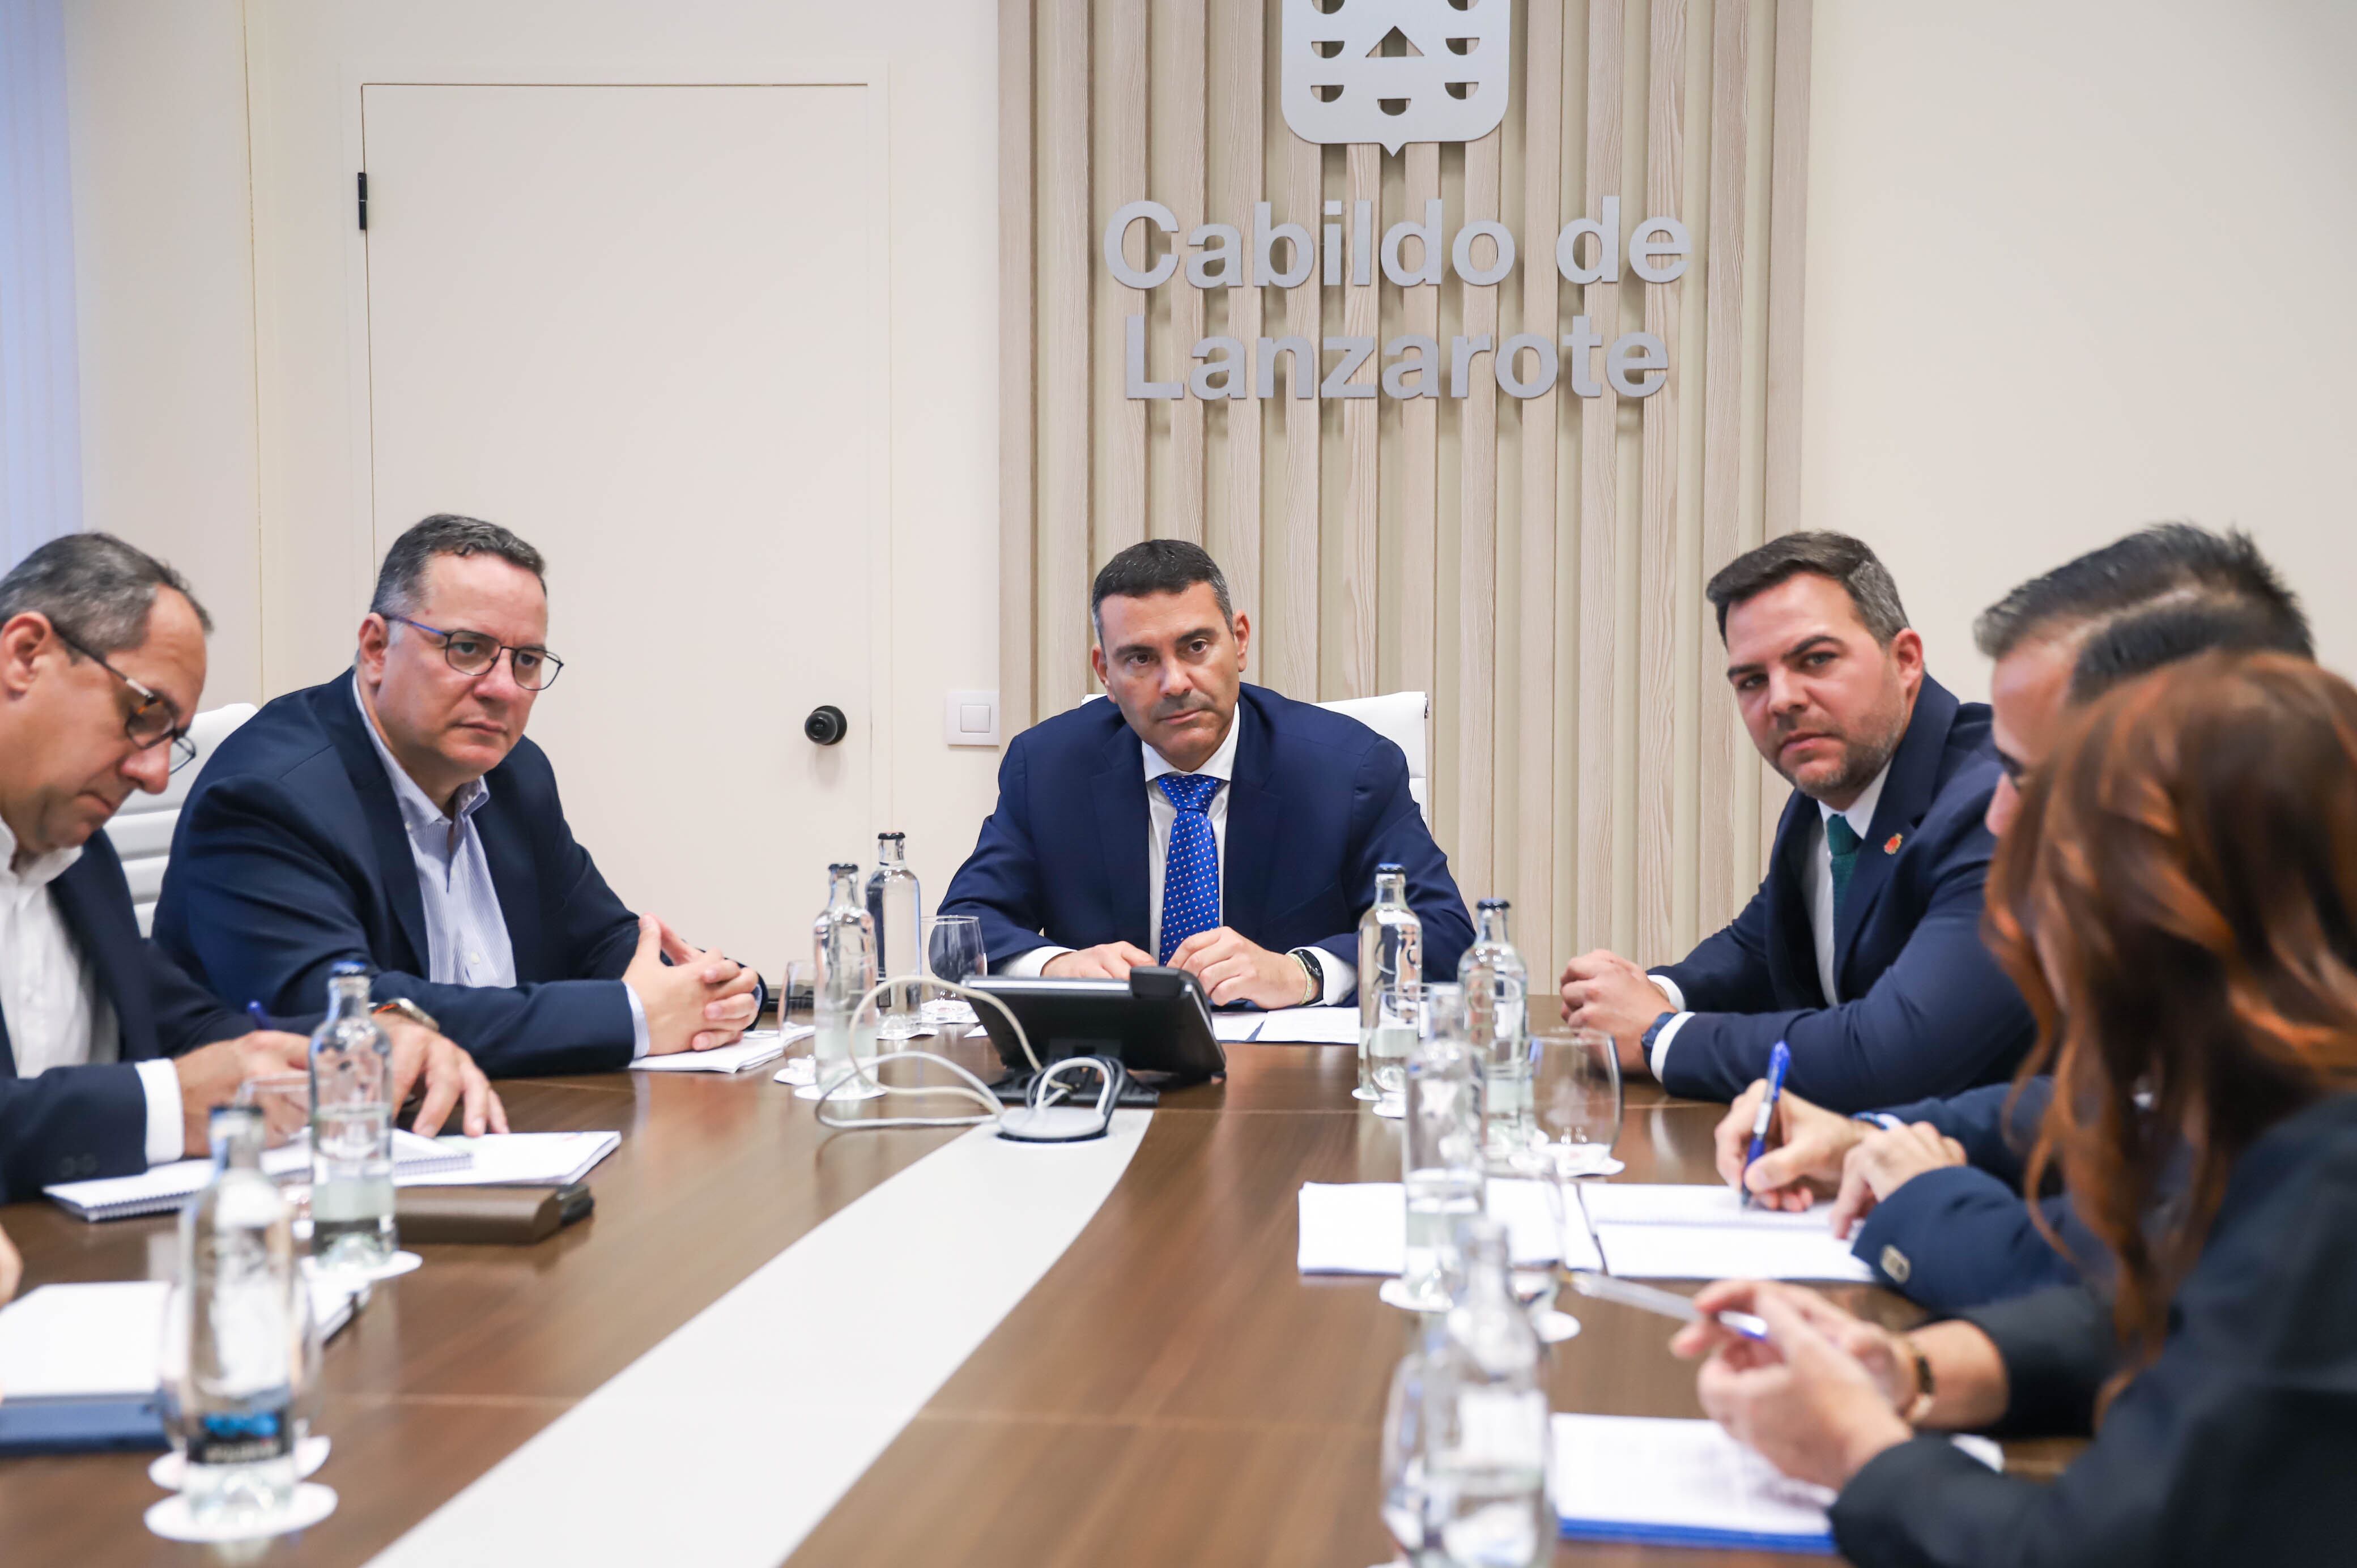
(1318,801)
(1961,1236)
(71,1124)
(2235,1445)
(1929,1011)
(290,857)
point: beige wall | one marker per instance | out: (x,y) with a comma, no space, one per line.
(224,392)
(2074,268)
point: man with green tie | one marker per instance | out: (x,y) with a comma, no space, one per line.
(1862,947)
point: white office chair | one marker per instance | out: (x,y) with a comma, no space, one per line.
(142,831)
(1404,718)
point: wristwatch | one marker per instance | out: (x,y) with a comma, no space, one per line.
(1926,1394)
(407,1009)
(1315,968)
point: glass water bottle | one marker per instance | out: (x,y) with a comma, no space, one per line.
(1486,1459)
(895,905)
(351,1130)
(1391,952)
(1497,1006)
(234,1352)
(1441,1151)
(843,944)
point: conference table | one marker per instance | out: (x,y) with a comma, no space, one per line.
(1170,1391)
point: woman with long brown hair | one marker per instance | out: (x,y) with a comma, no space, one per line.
(2179,907)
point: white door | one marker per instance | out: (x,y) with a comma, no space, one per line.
(639,326)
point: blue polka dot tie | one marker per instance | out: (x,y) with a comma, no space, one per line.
(1190,876)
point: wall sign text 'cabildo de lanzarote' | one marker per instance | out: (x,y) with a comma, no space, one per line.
(1412,256)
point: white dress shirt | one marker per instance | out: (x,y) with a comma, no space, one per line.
(1817,886)
(1161,816)
(49,994)
(467,938)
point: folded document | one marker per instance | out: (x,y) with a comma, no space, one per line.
(758,1046)
(1361,1228)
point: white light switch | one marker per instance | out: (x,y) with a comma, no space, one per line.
(971,718)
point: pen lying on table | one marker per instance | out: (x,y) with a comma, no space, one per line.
(1668,1303)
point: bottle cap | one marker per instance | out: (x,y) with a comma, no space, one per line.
(1494,904)
(1391,866)
(902,837)
(842,868)
(345,966)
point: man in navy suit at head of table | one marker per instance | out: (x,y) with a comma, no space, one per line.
(1194,820)
(1862,947)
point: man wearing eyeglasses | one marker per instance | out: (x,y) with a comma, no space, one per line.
(398,816)
(111,1057)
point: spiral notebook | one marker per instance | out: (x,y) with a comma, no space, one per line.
(159,1189)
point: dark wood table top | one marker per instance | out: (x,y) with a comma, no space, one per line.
(1173,1391)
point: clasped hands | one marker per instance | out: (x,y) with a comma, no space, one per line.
(1605,992)
(700,999)
(1229,968)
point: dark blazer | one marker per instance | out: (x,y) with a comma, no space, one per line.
(1961,1236)
(1928,1010)
(71,1124)
(2235,1445)
(290,856)
(1318,801)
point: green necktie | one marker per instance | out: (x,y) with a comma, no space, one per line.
(1842,841)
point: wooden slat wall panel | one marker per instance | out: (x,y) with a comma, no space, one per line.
(1117,110)
(1528,863)
(1180,25)
(1599,591)
(1657,675)
(1477,551)
(1017,458)
(1726,822)
(1075,146)
(1787,211)
(1420,464)
(1068,259)
(1362,583)
(1241,76)
(1291,630)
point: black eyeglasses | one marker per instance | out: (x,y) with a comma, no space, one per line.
(473,653)
(154,721)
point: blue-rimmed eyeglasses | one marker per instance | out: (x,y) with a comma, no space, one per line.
(474,653)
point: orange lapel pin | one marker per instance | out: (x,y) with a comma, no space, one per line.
(1891,845)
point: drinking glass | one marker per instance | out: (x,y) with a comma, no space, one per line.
(1399,1022)
(284,1100)
(954,952)
(1575,1100)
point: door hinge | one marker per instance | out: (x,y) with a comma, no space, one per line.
(364,183)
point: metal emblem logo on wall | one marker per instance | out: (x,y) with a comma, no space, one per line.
(1445,80)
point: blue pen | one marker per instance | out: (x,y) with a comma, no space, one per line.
(261,1019)
(1780,1061)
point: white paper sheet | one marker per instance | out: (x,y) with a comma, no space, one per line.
(103,1340)
(757,1047)
(522,1159)
(1235,1028)
(1361,1228)
(1310,1026)
(159,1189)
(1702,1232)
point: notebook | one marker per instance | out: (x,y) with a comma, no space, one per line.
(159,1189)
(1664,1482)
(523,1159)
(1701,1232)
(757,1047)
